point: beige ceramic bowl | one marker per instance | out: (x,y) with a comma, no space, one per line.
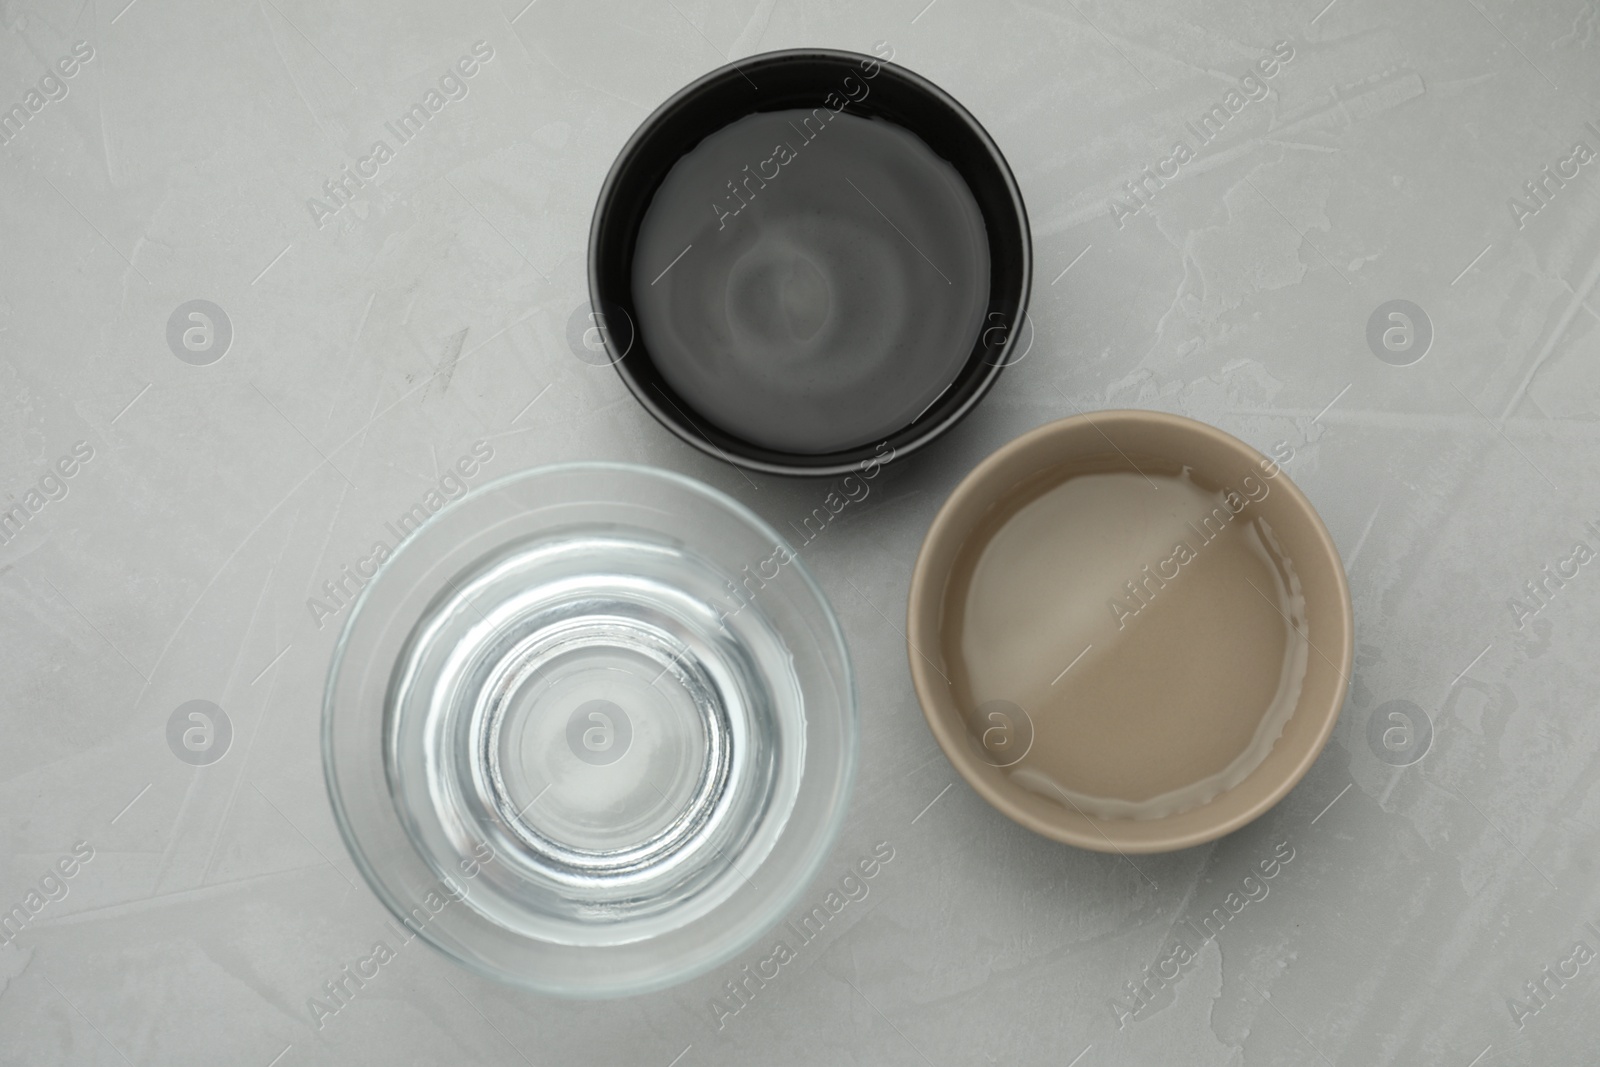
(1322,616)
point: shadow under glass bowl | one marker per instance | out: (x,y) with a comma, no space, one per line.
(573,744)
(804,78)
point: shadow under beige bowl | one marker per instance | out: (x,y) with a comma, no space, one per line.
(1158,443)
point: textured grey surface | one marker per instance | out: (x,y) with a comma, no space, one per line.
(432,311)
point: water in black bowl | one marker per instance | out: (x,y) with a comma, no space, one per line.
(809,262)
(813,279)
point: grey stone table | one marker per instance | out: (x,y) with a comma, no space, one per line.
(238,338)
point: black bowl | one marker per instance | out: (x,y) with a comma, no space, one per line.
(792,79)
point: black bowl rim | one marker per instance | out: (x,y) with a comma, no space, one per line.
(690,434)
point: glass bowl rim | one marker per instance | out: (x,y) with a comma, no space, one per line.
(777,903)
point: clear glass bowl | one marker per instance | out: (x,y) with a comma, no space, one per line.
(590,730)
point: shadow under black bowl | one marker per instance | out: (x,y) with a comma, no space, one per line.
(804,78)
